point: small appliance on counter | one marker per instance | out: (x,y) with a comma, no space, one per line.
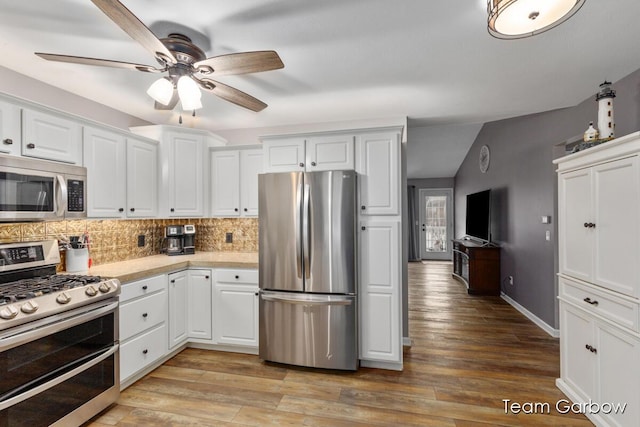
(180,239)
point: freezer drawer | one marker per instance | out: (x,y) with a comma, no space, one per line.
(309,330)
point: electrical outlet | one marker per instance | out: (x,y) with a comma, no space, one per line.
(228,238)
(141,239)
(511,280)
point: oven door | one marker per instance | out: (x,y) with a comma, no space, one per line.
(60,370)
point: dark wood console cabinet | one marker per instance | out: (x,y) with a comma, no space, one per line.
(477,266)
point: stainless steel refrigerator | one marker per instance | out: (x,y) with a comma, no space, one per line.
(307,269)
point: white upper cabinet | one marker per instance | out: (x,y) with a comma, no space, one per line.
(330,152)
(317,152)
(142,178)
(378,167)
(284,154)
(185,161)
(234,182)
(122,175)
(51,137)
(105,159)
(599,210)
(9,128)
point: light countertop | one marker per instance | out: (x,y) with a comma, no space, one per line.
(135,269)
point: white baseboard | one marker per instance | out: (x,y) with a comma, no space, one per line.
(529,315)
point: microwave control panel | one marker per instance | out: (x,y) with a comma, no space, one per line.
(75,195)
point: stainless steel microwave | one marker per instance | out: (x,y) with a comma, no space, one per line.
(35,190)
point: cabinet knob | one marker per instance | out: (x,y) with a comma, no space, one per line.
(363,228)
(235,209)
(145,351)
(173,281)
(132,209)
(144,288)
(590,301)
(256,294)
(237,277)
(172,209)
(301,165)
(363,207)
(7,141)
(313,163)
(31,145)
(145,315)
(246,210)
(121,210)
(206,277)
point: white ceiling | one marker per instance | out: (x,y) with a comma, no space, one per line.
(432,61)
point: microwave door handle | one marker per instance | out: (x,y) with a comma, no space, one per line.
(62,196)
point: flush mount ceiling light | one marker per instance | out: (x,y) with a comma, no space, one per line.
(515,19)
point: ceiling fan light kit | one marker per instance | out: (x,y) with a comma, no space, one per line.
(515,19)
(185,63)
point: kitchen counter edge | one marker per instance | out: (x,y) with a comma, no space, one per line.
(141,268)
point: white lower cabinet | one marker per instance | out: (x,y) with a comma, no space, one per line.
(235,307)
(143,325)
(600,359)
(178,308)
(199,303)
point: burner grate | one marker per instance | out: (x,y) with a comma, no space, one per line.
(24,289)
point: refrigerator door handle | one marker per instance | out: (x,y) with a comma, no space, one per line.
(309,299)
(298,230)
(306,231)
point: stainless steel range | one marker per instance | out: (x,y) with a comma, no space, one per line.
(59,360)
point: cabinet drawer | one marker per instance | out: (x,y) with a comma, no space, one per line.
(142,351)
(617,309)
(141,314)
(142,287)
(238,276)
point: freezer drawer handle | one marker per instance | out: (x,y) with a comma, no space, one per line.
(306,301)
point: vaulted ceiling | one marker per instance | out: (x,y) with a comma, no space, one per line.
(432,61)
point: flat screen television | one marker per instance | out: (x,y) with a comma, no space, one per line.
(478,219)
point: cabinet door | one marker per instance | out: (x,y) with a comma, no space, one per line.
(575,209)
(186,166)
(51,137)
(285,155)
(200,304)
(225,183)
(380,283)
(618,371)
(142,178)
(378,163)
(178,308)
(616,264)
(104,158)
(330,152)
(578,363)
(250,167)
(236,314)
(9,128)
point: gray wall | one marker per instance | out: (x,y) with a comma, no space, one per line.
(523,183)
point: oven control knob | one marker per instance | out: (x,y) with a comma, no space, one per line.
(91,291)
(104,288)
(8,312)
(29,307)
(63,298)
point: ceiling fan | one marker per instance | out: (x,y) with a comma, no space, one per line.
(186,64)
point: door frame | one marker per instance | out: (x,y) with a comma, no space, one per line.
(422,196)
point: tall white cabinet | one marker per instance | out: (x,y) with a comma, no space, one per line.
(599,279)
(234,181)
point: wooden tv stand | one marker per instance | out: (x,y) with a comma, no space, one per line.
(477,265)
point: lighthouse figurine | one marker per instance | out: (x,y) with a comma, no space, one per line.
(606,125)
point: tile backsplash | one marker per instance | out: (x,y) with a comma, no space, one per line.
(117,240)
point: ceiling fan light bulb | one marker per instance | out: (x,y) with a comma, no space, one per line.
(512,19)
(189,93)
(161,91)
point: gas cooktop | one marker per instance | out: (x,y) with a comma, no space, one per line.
(30,289)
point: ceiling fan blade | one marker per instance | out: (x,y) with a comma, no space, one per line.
(240,63)
(171,105)
(130,23)
(99,62)
(232,95)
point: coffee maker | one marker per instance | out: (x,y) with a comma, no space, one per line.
(180,239)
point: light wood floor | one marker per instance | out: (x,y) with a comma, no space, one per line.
(468,354)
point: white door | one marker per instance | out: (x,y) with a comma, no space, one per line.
(225,183)
(142,179)
(436,223)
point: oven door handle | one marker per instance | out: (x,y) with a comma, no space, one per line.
(58,380)
(33,334)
